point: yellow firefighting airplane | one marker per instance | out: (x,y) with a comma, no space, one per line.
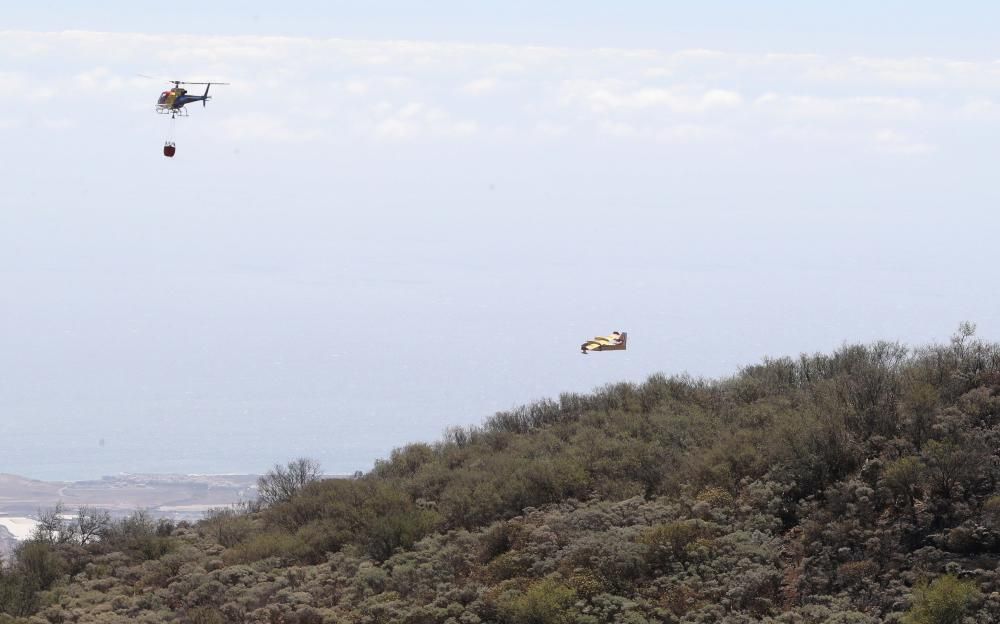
(617,341)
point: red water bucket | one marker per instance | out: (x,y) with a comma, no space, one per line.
(168,150)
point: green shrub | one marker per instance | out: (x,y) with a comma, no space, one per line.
(945,601)
(205,615)
(282,483)
(673,541)
(227,526)
(38,563)
(716,497)
(286,546)
(35,567)
(507,566)
(544,602)
(18,596)
(398,530)
(370,513)
(853,572)
(501,538)
(903,478)
(991,511)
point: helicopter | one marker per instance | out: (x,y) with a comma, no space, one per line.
(172,101)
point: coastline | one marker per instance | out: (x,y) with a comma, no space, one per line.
(174,496)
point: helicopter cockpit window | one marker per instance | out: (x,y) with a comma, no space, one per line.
(163,97)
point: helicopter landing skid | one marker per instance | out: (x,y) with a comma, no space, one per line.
(173,112)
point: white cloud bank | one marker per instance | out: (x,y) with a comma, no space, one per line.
(288,89)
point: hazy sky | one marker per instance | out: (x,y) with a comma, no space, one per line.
(406,215)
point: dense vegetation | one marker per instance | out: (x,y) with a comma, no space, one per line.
(855,487)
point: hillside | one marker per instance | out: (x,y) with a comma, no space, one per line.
(19,494)
(855,487)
